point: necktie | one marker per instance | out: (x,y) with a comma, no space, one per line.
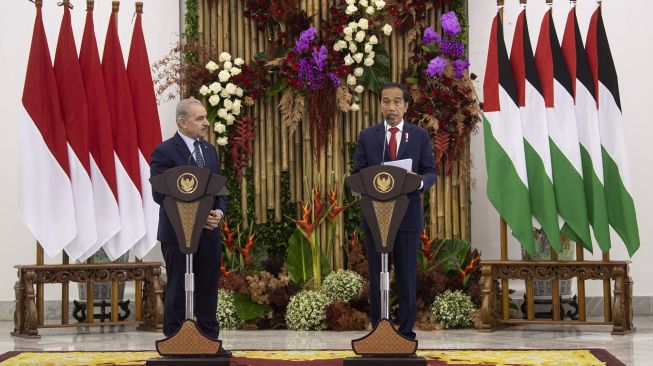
(197,153)
(393,142)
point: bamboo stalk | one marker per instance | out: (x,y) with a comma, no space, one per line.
(464,208)
(269,155)
(394,51)
(441,203)
(256,162)
(433,220)
(212,27)
(247,56)
(277,159)
(448,227)
(264,174)
(455,203)
(299,164)
(241,29)
(233,25)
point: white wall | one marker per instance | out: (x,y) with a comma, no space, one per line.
(161,28)
(630,31)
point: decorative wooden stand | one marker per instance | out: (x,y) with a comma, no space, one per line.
(28,317)
(495,306)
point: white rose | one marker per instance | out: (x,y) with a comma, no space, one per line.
(342,44)
(227,65)
(212,66)
(239,61)
(224,56)
(235,110)
(347,31)
(228,104)
(215,87)
(336,46)
(371,54)
(351,80)
(358,58)
(360,36)
(358,72)
(368,62)
(352,47)
(222,113)
(353,25)
(351,9)
(204,90)
(368,47)
(359,89)
(231,88)
(387,29)
(224,75)
(370,10)
(350,2)
(222,140)
(219,127)
(235,71)
(355,107)
(224,93)
(348,38)
(229,120)
(239,91)
(237,104)
(373,39)
(214,100)
(363,3)
(363,23)
(379,4)
(348,60)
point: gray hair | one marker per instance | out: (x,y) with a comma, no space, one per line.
(183,108)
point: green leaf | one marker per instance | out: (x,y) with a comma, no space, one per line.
(379,73)
(412,81)
(298,259)
(248,309)
(279,86)
(325,268)
(452,252)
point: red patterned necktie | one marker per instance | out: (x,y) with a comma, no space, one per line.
(393,143)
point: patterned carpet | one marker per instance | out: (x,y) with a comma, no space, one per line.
(584,357)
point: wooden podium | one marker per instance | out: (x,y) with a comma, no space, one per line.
(383,190)
(189,197)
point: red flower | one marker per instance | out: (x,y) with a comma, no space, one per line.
(223,269)
(246,252)
(228,236)
(426,250)
(333,201)
(304,224)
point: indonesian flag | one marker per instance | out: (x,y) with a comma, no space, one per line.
(587,119)
(103,158)
(45,196)
(125,143)
(536,133)
(616,172)
(75,116)
(148,127)
(507,186)
(563,134)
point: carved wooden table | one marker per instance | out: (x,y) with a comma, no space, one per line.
(26,321)
(617,271)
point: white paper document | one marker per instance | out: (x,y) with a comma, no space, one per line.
(406,164)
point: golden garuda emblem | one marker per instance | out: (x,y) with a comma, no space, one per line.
(383,182)
(187,183)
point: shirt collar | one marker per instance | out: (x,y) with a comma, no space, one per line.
(189,141)
(400,126)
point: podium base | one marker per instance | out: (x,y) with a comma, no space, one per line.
(179,361)
(384,341)
(384,361)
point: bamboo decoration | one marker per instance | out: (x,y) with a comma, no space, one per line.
(222,25)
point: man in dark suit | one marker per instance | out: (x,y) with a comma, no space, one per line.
(187,147)
(402,141)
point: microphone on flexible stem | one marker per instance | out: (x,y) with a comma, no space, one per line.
(385,141)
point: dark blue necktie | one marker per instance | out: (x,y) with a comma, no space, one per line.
(197,153)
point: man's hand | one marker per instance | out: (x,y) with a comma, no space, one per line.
(213,220)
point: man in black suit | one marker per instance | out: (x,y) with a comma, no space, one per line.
(187,147)
(402,140)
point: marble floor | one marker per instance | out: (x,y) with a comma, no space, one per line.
(634,349)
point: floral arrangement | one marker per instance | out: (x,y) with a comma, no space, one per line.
(453,309)
(307,311)
(226,313)
(342,285)
(238,250)
(444,100)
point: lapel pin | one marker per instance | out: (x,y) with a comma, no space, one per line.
(406,137)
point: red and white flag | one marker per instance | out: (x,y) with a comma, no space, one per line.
(103,158)
(147,125)
(74,110)
(125,143)
(45,197)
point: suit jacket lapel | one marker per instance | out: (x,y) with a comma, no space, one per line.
(182,148)
(403,144)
